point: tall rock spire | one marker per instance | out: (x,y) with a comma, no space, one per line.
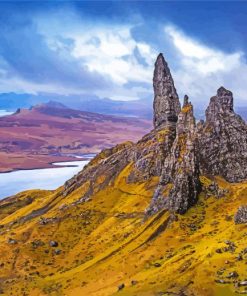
(166,102)
(179,184)
(184,164)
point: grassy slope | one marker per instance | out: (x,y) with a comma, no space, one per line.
(105,242)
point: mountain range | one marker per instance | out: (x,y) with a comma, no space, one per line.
(164,216)
(136,108)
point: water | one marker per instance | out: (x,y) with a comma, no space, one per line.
(4,113)
(17,181)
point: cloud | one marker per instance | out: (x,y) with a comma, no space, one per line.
(40,54)
(28,60)
(201,70)
(111,51)
(64,52)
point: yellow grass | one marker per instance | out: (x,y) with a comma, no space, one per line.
(106,242)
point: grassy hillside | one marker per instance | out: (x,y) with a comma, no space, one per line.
(104,242)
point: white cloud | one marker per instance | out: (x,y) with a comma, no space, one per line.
(201,70)
(113,54)
(112,51)
(201,57)
(109,50)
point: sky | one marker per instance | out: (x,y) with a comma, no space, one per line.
(107,49)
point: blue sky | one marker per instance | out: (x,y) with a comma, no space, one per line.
(107,49)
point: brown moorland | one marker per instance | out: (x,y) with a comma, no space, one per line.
(44,134)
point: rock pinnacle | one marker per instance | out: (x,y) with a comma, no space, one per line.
(166,102)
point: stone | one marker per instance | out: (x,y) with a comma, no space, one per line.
(120,287)
(12,241)
(37,243)
(186,101)
(53,244)
(244,251)
(239,257)
(166,101)
(57,252)
(221,281)
(223,139)
(241,215)
(180,173)
(233,274)
(219,104)
(134,282)
(157,264)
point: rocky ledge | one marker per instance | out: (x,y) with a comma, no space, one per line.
(177,150)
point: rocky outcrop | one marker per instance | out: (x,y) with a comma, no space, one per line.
(223,139)
(151,151)
(219,104)
(179,184)
(176,150)
(184,164)
(241,215)
(166,101)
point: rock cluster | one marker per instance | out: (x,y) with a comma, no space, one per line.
(217,146)
(223,139)
(241,215)
(179,184)
(177,150)
(184,172)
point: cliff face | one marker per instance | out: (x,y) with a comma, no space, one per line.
(166,101)
(179,184)
(223,139)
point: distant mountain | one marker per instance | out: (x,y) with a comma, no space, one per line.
(49,132)
(138,108)
(54,104)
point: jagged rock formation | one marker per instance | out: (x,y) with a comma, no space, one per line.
(179,184)
(166,101)
(241,215)
(177,151)
(184,165)
(223,139)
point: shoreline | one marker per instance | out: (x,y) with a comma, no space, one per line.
(41,178)
(50,164)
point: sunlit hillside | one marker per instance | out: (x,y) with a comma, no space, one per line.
(56,245)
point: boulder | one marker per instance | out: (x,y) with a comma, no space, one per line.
(241,215)
(53,244)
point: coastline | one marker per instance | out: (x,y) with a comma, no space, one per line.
(42,162)
(56,175)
